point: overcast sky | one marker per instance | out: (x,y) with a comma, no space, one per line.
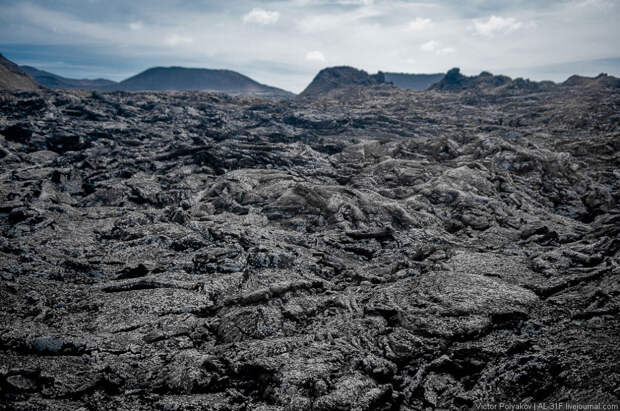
(284,43)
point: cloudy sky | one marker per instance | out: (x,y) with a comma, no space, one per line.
(284,43)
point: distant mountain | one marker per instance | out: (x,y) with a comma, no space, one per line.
(52,80)
(332,78)
(413,81)
(181,78)
(486,82)
(14,78)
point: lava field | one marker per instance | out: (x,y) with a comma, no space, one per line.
(369,249)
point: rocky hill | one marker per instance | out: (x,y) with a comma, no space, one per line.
(184,79)
(408,81)
(51,80)
(334,78)
(485,82)
(377,250)
(14,78)
(601,81)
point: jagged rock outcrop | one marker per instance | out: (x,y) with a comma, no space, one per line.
(488,83)
(603,80)
(333,78)
(370,250)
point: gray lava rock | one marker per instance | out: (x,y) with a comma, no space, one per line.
(364,248)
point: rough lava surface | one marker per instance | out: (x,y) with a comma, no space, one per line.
(368,249)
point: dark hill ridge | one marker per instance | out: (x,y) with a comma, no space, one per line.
(409,81)
(14,78)
(185,79)
(51,80)
(602,80)
(486,82)
(166,79)
(343,78)
(332,78)
(455,81)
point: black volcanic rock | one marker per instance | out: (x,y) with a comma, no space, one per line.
(333,78)
(603,80)
(14,78)
(529,85)
(380,249)
(19,133)
(487,83)
(455,81)
(51,80)
(408,81)
(452,80)
(183,79)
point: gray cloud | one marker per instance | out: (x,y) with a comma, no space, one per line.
(301,35)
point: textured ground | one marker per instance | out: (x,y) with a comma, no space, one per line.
(374,250)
